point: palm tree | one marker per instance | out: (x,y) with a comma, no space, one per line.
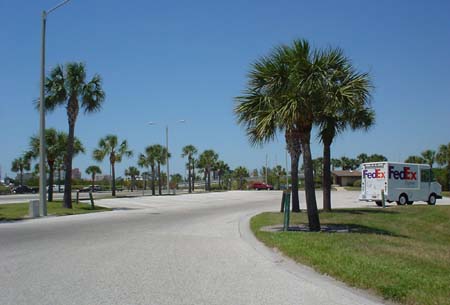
(93,170)
(429,157)
(415,159)
(149,160)
(190,151)
(206,161)
(160,153)
(279,172)
(221,167)
(335,163)
(240,173)
(109,146)
(283,94)
(376,158)
(132,172)
(443,158)
(67,86)
(20,164)
(362,158)
(55,150)
(345,96)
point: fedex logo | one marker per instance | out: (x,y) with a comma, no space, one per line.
(405,174)
(377,174)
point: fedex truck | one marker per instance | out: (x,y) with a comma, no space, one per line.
(403,183)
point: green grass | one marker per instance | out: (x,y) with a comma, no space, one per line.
(446,194)
(18,211)
(352,188)
(400,253)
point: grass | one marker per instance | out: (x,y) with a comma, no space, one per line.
(352,188)
(399,253)
(446,194)
(19,211)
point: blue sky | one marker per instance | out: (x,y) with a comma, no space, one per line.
(163,61)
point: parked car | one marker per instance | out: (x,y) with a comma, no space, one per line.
(260,186)
(57,188)
(23,189)
(96,188)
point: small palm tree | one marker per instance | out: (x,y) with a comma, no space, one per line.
(109,146)
(149,160)
(415,159)
(190,151)
(56,149)
(443,159)
(20,164)
(161,154)
(222,168)
(429,157)
(132,172)
(67,86)
(93,170)
(345,96)
(279,172)
(240,173)
(206,161)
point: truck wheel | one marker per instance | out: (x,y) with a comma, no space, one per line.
(402,200)
(432,199)
(379,203)
(410,202)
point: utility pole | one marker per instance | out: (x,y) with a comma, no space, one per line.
(266,168)
(167,159)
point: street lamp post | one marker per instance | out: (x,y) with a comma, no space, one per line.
(42,173)
(167,152)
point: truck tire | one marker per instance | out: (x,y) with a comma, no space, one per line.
(402,200)
(432,199)
(379,203)
(410,202)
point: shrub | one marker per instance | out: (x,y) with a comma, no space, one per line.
(357,183)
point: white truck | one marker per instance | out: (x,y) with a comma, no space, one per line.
(400,182)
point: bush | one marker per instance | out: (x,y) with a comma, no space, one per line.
(4,190)
(357,183)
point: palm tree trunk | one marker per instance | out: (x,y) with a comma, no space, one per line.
(209,180)
(294,149)
(311,204)
(59,178)
(68,165)
(193,177)
(326,178)
(113,169)
(21,176)
(153,180)
(189,176)
(93,181)
(50,181)
(159,179)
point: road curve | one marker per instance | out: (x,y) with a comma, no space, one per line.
(189,249)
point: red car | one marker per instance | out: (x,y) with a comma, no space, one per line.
(261,186)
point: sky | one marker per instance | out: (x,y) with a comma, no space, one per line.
(165,61)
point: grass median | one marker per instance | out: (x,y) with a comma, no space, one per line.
(400,253)
(19,211)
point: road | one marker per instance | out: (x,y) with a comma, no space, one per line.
(188,249)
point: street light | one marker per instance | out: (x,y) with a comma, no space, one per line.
(42,173)
(167,152)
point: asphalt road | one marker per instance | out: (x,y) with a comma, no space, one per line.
(189,249)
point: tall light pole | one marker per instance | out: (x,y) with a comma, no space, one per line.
(42,173)
(167,152)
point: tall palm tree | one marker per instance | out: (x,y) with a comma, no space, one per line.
(283,94)
(56,149)
(109,146)
(67,86)
(133,172)
(443,158)
(335,163)
(345,97)
(429,157)
(240,173)
(190,151)
(206,161)
(21,164)
(161,154)
(93,170)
